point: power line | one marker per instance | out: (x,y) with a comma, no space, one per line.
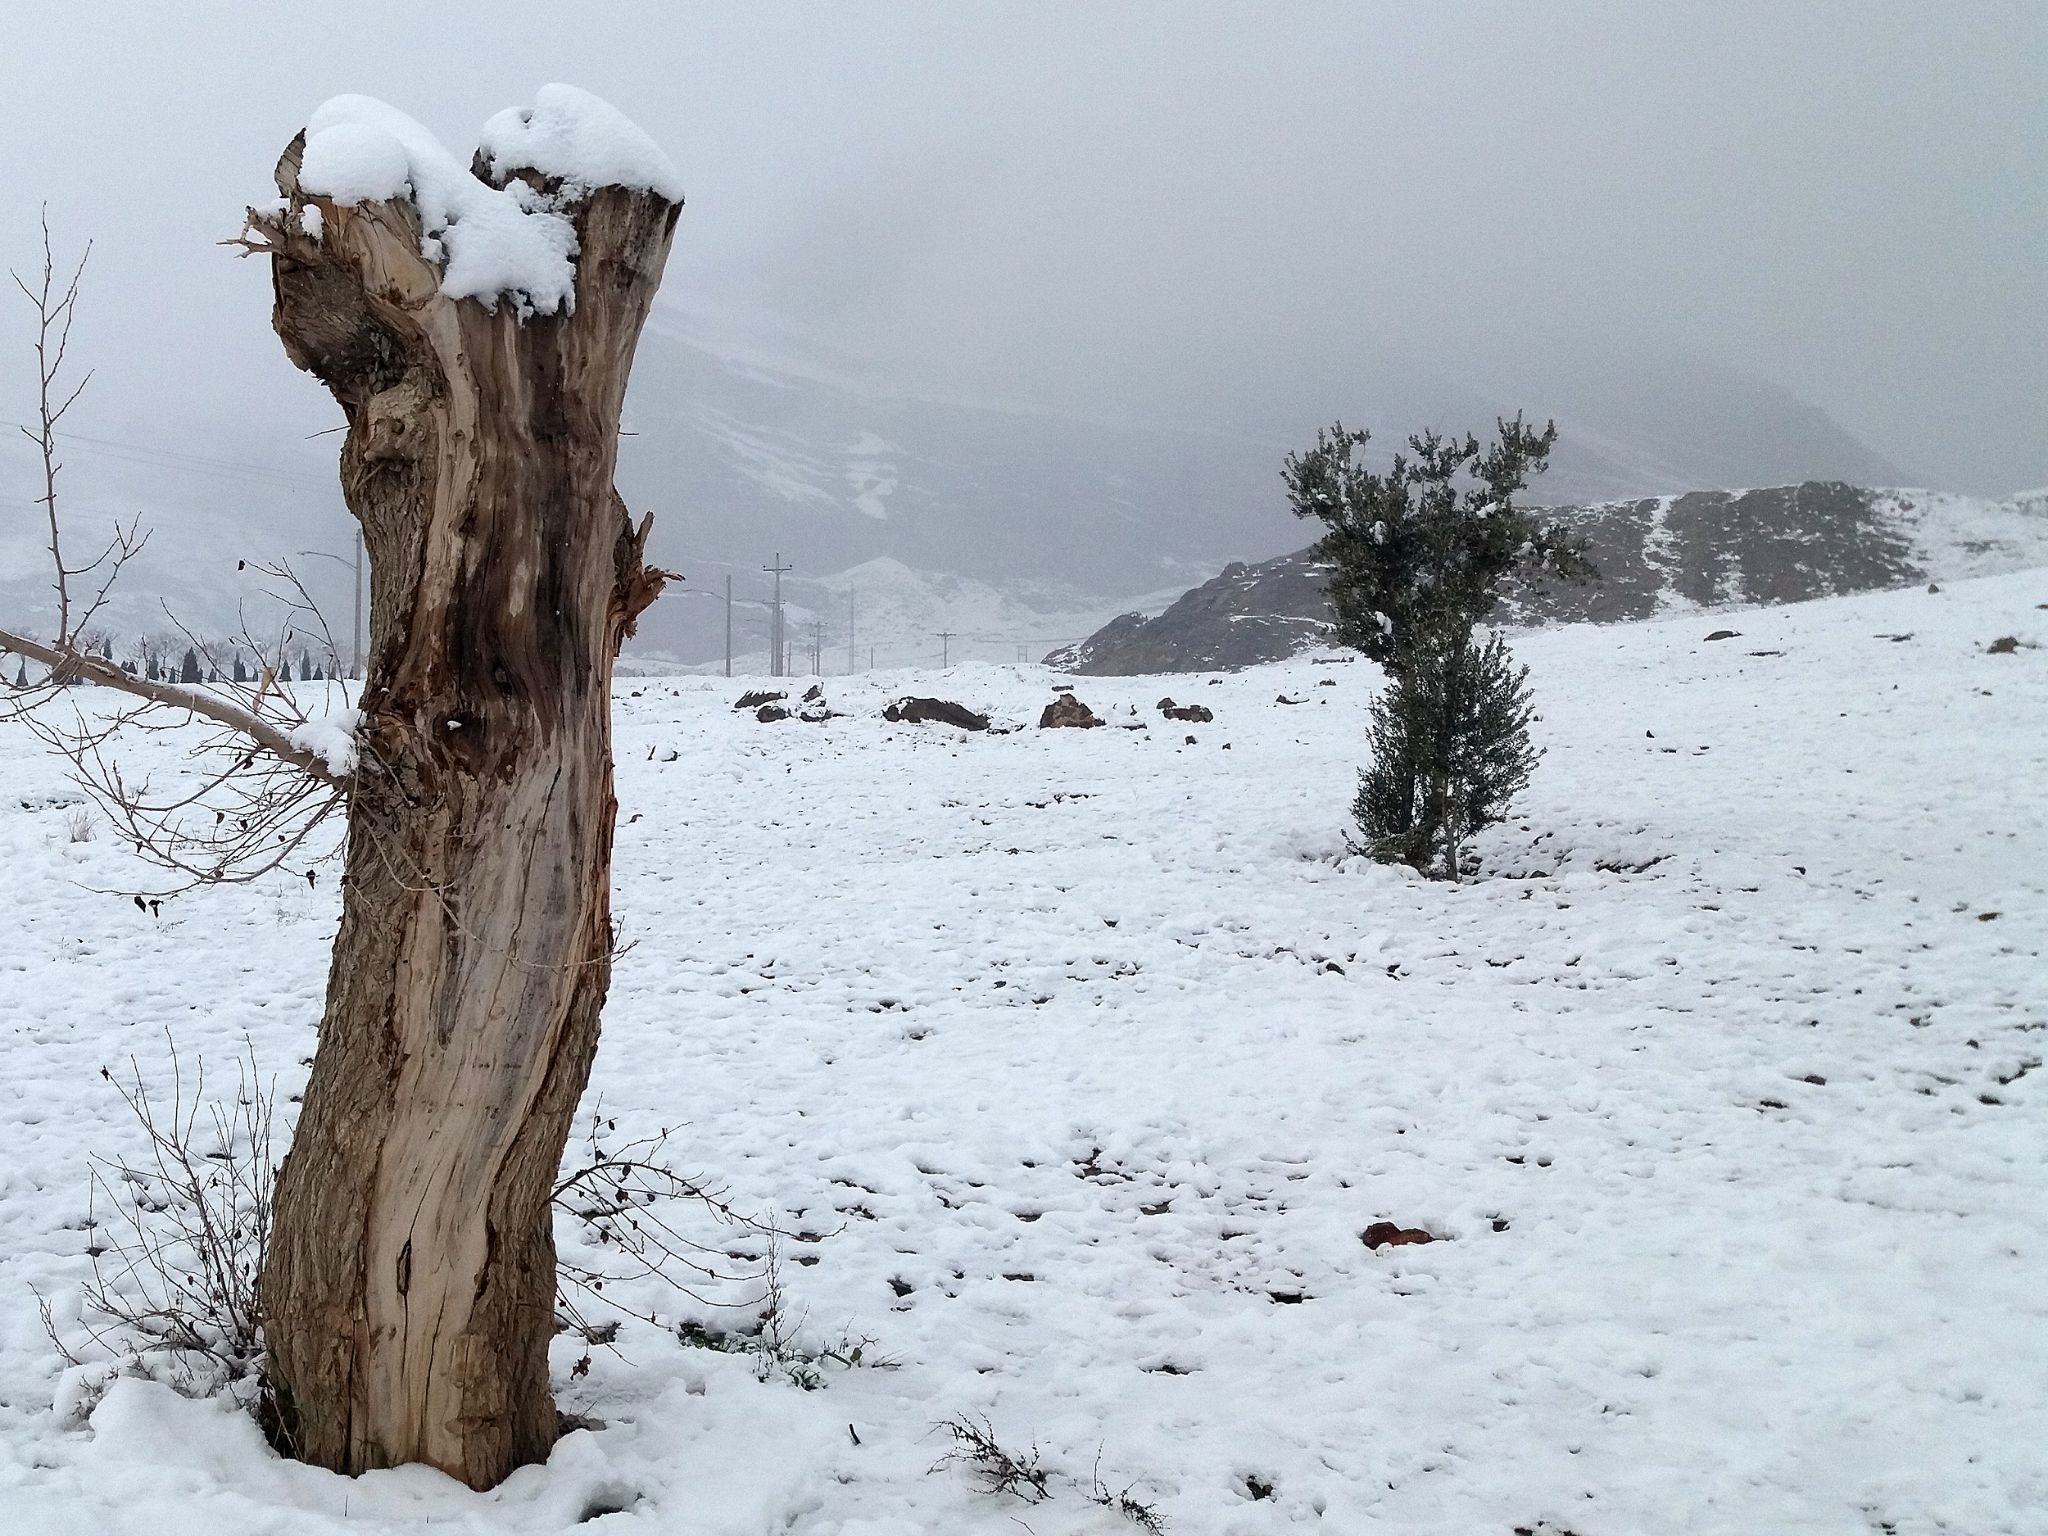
(198,463)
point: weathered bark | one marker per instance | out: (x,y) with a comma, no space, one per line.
(410,1287)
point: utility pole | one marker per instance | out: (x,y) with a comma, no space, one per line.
(945,647)
(356,617)
(728,623)
(817,647)
(778,650)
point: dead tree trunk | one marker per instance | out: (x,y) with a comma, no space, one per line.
(410,1287)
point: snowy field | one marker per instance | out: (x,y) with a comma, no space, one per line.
(1076,1064)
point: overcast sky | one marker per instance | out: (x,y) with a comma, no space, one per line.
(1158,204)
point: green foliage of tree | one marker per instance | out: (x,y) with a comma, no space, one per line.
(1418,555)
(1450,751)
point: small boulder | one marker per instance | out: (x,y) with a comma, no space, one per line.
(1724,634)
(2005,645)
(815,694)
(914,711)
(1387,1234)
(1067,710)
(1199,713)
(768,714)
(757,698)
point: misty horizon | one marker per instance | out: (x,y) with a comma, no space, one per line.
(1728,249)
(1186,208)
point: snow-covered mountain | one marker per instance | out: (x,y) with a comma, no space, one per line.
(1014,524)
(1706,549)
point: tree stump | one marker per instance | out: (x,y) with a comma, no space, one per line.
(409,1291)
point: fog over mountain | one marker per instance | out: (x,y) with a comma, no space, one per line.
(1017,525)
(1038,297)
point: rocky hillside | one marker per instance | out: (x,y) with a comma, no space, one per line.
(1702,550)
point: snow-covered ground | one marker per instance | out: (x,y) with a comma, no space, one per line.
(1077,1062)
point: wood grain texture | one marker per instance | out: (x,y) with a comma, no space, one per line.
(409,1293)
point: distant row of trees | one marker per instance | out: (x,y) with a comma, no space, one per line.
(180,658)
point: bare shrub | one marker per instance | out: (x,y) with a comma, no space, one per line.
(177,1236)
(1024,1475)
(626,1196)
(177,1240)
(1145,1517)
(79,825)
(997,1469)
(779,1340)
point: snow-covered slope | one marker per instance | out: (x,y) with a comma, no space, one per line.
(1078,1062)
(1665,554)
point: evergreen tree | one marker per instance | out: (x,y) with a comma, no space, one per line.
(241,672)
(1418,556)
(189,673)
(1450,751)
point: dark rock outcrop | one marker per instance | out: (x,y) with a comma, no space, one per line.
(1066,710)
(1247,615)
(914,711)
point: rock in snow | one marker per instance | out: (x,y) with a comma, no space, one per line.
(918,711)
(1066,710)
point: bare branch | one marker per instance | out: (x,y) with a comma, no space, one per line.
(54,314)
(67,665)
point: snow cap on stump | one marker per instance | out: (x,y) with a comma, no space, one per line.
(495,238)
